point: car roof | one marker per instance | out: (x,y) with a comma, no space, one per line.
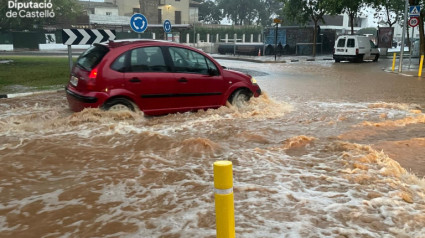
(123,42)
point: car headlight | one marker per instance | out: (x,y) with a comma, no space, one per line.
(253,81)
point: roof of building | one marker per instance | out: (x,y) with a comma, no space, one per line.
(90,4)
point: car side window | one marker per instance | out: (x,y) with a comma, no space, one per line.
(119,64)
(350,43)
(372,45)
(147,59)
(341,43)
(188,61)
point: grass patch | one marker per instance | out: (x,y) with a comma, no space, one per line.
(31,73)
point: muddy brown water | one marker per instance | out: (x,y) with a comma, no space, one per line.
(330,150)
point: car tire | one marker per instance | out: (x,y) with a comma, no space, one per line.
(376,58)
(359,58)
(240,98)
(118,104)
(337,60)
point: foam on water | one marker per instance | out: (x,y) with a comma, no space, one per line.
(110,174)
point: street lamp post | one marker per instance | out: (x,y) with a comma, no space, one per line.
(406,6)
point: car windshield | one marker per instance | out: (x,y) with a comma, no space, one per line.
(91,57)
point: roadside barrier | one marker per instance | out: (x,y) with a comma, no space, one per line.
(394,58)
(223,194)
(420,66)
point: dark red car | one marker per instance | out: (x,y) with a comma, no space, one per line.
(158,77)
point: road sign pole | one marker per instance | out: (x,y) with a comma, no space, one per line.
(275,41)
(400,67)
(411,46)
(70,58)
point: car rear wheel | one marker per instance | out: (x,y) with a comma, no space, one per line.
(118,104)
(376,58)
(240,98)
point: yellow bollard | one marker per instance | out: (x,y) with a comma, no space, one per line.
(394,57)
(223,193)
(420,66)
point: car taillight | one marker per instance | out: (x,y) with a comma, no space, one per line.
(93,73)
(357,51)
(91,82)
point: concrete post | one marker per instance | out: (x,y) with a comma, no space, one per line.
(243,38)
(252,38)
(226,38)
(187,38)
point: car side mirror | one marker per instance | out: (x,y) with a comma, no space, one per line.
(213,72)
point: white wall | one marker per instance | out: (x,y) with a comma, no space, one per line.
(104,10)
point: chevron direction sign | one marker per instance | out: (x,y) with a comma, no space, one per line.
(86,36)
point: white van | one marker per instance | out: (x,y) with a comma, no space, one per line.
(355,48)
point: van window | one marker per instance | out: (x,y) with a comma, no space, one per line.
(92,56)
(350,43)
(341,42)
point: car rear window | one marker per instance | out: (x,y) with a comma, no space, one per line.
(92,56)
(341,43)
(350,43)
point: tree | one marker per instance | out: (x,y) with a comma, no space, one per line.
(241,12)
(390,11)
(351,8)
(25,18)
(268,10)
(209,12)
(302,11)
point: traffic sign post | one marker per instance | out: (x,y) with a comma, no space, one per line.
(84,37)
(413,21)
(167,26)
(139,23)
(414,11)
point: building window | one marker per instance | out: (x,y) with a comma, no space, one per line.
(178,17)
(136,10)
(109,13)
(177,0)
(159,15)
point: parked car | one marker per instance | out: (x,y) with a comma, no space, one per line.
(355,48)
(157,77)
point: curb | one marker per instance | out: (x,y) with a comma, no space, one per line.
(16,95)
(271,61)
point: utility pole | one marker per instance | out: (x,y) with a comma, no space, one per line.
(406,6)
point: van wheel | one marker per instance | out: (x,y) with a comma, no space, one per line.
(376,58)
(118,104)
(359,59)
(240,98)
(337,60)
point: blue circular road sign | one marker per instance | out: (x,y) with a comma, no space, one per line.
(138,23)
(167,26)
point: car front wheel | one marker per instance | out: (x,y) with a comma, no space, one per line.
(240,98)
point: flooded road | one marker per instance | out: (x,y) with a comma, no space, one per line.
(330,150)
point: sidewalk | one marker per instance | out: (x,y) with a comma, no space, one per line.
(271,58)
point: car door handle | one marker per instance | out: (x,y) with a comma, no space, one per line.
(135,80)
(182,80)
